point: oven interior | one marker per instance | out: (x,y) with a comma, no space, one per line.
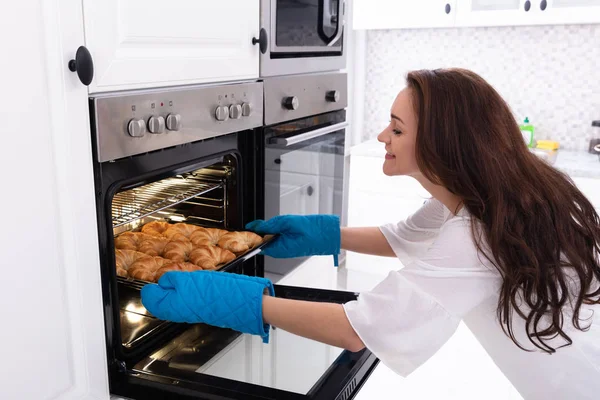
(209,197)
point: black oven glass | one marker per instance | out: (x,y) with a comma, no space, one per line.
(304,172)
(307,23)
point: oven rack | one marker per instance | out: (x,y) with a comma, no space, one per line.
(134,204)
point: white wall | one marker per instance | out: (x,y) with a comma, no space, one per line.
(550,74)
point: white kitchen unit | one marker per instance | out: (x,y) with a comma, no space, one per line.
(570,11)
(394,14)
(52,309)
(152,43)
(492,12)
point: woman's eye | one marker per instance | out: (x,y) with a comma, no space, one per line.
(396,131)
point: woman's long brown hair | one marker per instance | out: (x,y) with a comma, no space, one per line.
(529,220)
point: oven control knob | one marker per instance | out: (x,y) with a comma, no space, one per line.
(222,113)
(173,122)
(156,124)
(136,127)
(291,102)
(235,111)
(246,109)
(332,96)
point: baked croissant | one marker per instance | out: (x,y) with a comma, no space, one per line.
(178,250)
(210,257)
(130,240)
(155,228)
(176,266)
(145,268)
(180,231)
(207,236)
(239,242)
(154,246)
(124,259)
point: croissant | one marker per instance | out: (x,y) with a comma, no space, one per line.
(124,259)
(178,250)
(156,228)
(145,268)
(154,246)
(130,240)
(207,236)
(176,266)
(210,257)
(238,242)
(180,231)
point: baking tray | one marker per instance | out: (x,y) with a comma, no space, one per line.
(229,267)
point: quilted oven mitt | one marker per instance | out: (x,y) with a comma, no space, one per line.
(300,235)
(220,299)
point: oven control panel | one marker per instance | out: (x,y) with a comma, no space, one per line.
(297,96)
(137,122)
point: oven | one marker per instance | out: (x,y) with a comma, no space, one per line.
(190,155)
(301,36)
(304,138)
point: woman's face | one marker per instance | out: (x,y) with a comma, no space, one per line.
(400,137)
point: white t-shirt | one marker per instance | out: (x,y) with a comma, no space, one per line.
(411,314)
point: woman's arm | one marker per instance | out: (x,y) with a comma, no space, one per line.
(323,322)
(366,240)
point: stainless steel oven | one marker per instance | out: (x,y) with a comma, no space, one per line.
(190,155)
(301,36)
(304,150)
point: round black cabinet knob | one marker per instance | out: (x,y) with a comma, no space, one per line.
(448,8)
(262,41)
(527,5)
(83,65)
(543,5)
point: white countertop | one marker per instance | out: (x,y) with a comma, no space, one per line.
(577,164)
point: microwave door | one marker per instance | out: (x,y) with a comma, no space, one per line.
(213,363)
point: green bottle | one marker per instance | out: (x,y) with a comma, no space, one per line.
(527,132)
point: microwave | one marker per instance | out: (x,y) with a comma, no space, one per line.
(301,36)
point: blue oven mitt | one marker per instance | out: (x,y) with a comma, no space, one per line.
(215,298)
(300,235)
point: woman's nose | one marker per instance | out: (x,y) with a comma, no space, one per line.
(382,137)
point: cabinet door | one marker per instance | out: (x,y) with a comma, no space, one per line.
(395,14)
(493,12)
(568,11)
(150,43)
(51,301)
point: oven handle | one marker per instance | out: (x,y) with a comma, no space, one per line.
(309,135)
(340,30)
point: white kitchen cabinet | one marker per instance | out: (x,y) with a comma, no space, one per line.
(568,11)
(492,12)
(394,14)
(152,43)
(51,302)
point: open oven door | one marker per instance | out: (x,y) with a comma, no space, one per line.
(206,362)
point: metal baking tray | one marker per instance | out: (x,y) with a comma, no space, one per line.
(229,267)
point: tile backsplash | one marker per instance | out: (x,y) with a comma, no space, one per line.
(550,74)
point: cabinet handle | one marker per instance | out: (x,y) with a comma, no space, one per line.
(310,190)
(448,8)
(262,40)
(543,5)
(527,5)
(83,65)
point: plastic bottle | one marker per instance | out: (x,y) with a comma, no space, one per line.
(527,130)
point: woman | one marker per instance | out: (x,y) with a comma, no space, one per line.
(507,244)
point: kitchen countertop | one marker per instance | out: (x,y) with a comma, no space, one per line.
(577,164)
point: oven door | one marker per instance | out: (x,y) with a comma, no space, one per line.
(212,363)
(303,173)
(306,26)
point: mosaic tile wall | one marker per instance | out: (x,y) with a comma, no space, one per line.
(550,74)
